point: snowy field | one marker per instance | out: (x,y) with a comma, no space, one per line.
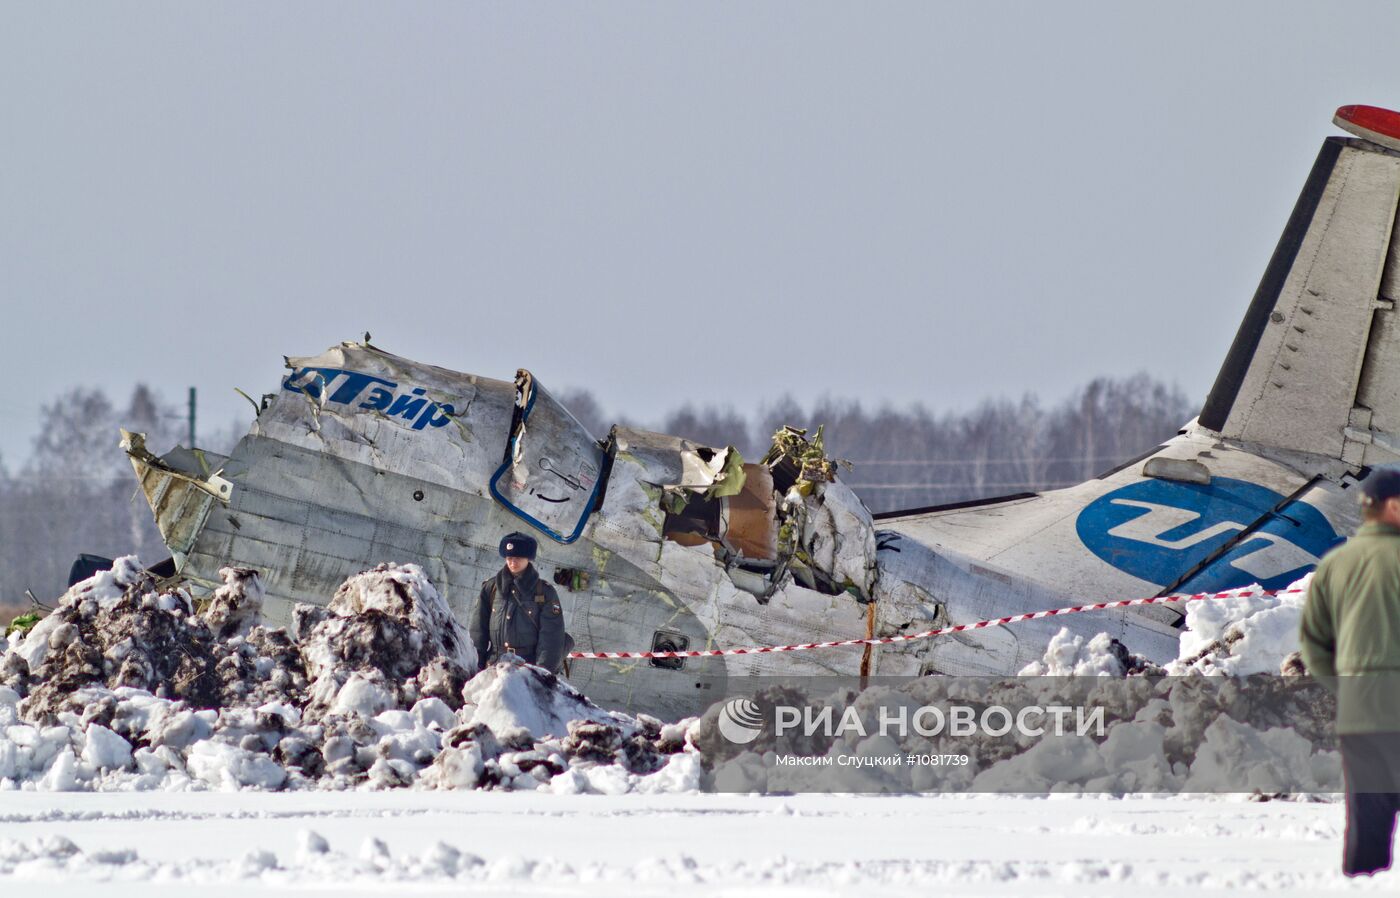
(498,843)
(150,749)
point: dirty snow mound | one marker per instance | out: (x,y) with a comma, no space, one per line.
(404,592)
(386,639)
(235,607)
(124,686)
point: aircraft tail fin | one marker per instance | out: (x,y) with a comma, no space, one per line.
(1315,366)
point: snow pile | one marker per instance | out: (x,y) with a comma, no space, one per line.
(126,686)
(537,704)
(117,629)
(1176,743)
(1219,718)
(1242,635)
(1248,633)
(1069,655)
(386,639)
(129,687)
(1159,734)
(235,607)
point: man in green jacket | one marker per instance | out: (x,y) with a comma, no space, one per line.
(1350,641)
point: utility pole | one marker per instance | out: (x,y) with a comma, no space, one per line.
(191,417)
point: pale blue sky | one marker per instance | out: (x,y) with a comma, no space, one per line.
(717,203)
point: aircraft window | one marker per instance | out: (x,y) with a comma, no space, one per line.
(663,641)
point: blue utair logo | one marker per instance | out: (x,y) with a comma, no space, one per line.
(345,387)
(1158,530)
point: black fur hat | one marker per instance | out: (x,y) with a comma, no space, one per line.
(518,545)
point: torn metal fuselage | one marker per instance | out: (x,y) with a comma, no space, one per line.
(362,457)
(658,542)
(181,489)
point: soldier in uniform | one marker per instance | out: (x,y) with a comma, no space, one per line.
(518,612)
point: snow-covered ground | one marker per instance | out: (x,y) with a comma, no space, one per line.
(357,753)
(514,843)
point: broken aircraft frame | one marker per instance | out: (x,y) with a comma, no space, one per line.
(363,457)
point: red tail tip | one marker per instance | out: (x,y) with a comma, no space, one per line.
(1370,122)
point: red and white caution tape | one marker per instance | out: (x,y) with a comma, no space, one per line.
(943,631)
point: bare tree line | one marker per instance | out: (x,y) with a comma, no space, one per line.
(77,493)
(913,457)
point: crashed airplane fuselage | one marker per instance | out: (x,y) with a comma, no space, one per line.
(363,457)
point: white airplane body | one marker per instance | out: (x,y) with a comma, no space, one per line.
(363,457)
